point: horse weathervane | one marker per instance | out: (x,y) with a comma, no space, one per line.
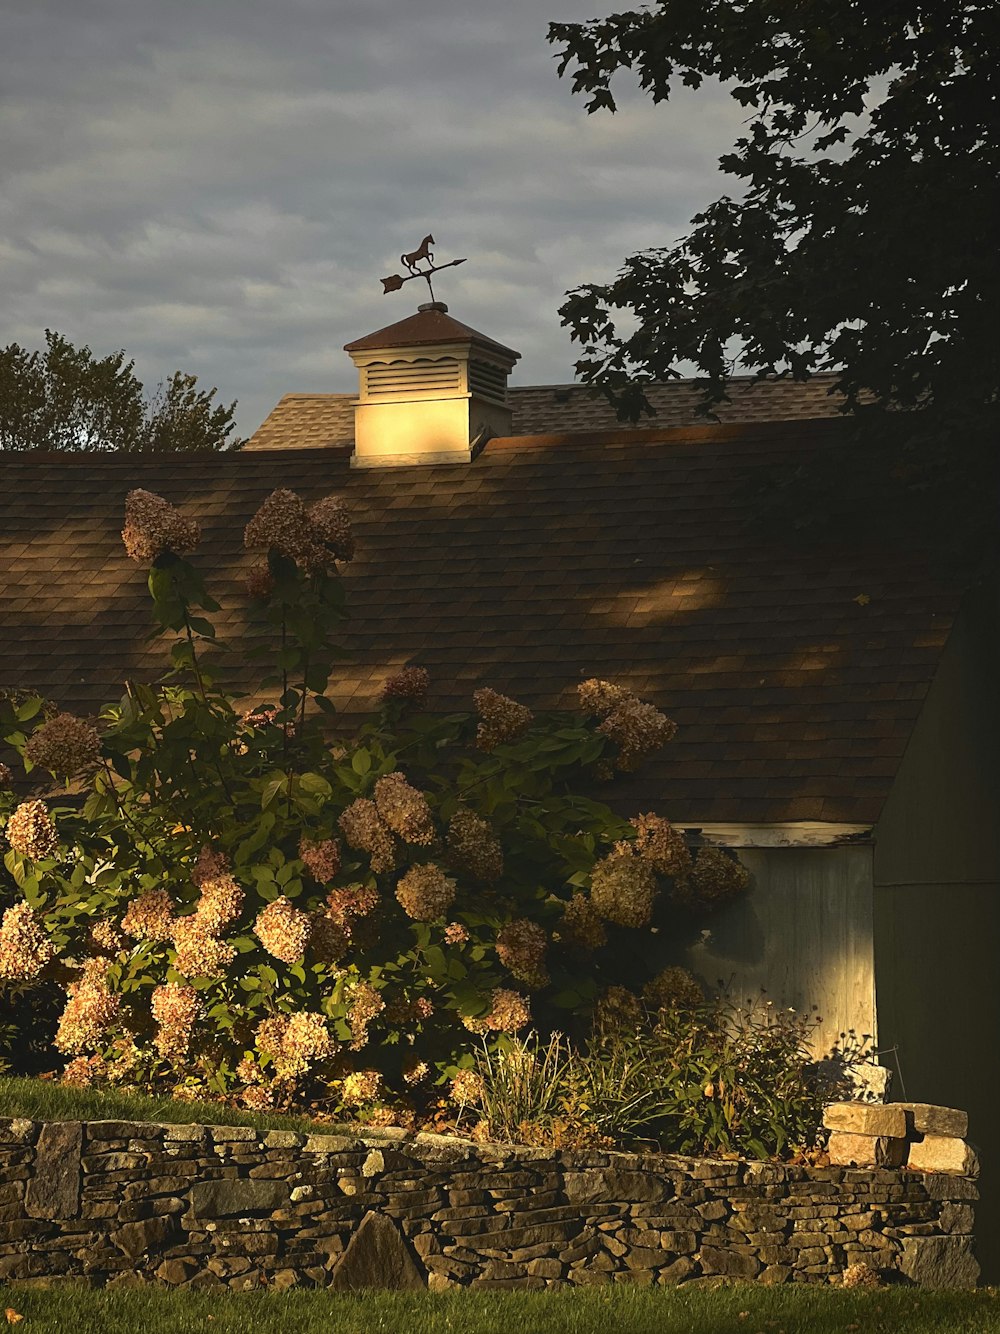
(422,255)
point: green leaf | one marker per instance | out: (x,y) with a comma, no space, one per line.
(361,762)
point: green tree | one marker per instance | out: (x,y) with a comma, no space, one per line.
(861,237)
(64,398)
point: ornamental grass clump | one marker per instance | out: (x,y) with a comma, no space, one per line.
(671,1070)
(242,903)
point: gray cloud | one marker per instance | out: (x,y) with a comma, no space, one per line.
(217,188)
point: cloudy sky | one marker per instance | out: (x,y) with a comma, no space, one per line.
(217,186)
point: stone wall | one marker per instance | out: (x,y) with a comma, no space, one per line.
(122,1203)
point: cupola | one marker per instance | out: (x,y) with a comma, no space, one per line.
(432,390)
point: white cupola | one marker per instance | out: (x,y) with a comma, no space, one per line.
(432,391)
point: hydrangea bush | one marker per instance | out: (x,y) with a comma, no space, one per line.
(241,900)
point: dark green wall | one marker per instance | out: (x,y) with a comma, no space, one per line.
(937,900)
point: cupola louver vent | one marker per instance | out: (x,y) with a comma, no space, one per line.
(488,380)
(423,375)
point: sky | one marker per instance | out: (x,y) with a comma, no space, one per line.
(218,186)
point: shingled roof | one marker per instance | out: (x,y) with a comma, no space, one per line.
(320,420)
(795,676)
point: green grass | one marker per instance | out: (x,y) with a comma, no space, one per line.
(43,1100)
(742,1309)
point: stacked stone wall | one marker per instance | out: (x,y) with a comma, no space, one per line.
(123,1203)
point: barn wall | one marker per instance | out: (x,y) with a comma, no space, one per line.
(803,932)
(937,897)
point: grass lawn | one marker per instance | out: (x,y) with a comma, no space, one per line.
(44,1100)
(742,1309)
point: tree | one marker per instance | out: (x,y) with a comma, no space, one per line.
(66,399)
(862,238)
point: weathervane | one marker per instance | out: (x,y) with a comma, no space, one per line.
(422,255)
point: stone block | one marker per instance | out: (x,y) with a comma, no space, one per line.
(940,1262)
(728,1262)
(946,1187)
(863,1118)
(176,1272)
(545,1268)
(378,1256)
(607,1185)
(943,1153)
(924,1118)
(957,1219)
(846,1149)
(236,1197)
(681,1269)
(54,1188)
(147,1235)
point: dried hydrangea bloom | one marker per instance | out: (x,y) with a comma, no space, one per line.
(283,930)
(673,989)
(31,831)
(659,843)
(258,1098)
(364,1004)
(509,1011)
(366,831)
(456,934)
(25,947)
(466,1089)
(412,684)
(360,1087)
(328,940)
(90,1009)
(175,1007)
(64,745)
(304,1039)
(281,524)
(714,880)
(346,903)
(474,848)
(221,902)
(6,777)
(259,582)
(84,1071)
(406,1010)
(404,809)
(860,1275)
(331,526)
(104,937)
(150,916)
(623,889)
(153,525)
(415,1071)
(333,928)
(270,1034)
(598,698)
(321,857)
(521,946)
(501,718)
(209,865)
(248,1070)
(425,892)
(200,953)
(638,729)
(619,1008)
(582,928)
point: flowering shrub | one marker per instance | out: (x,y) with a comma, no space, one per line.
(234,904)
